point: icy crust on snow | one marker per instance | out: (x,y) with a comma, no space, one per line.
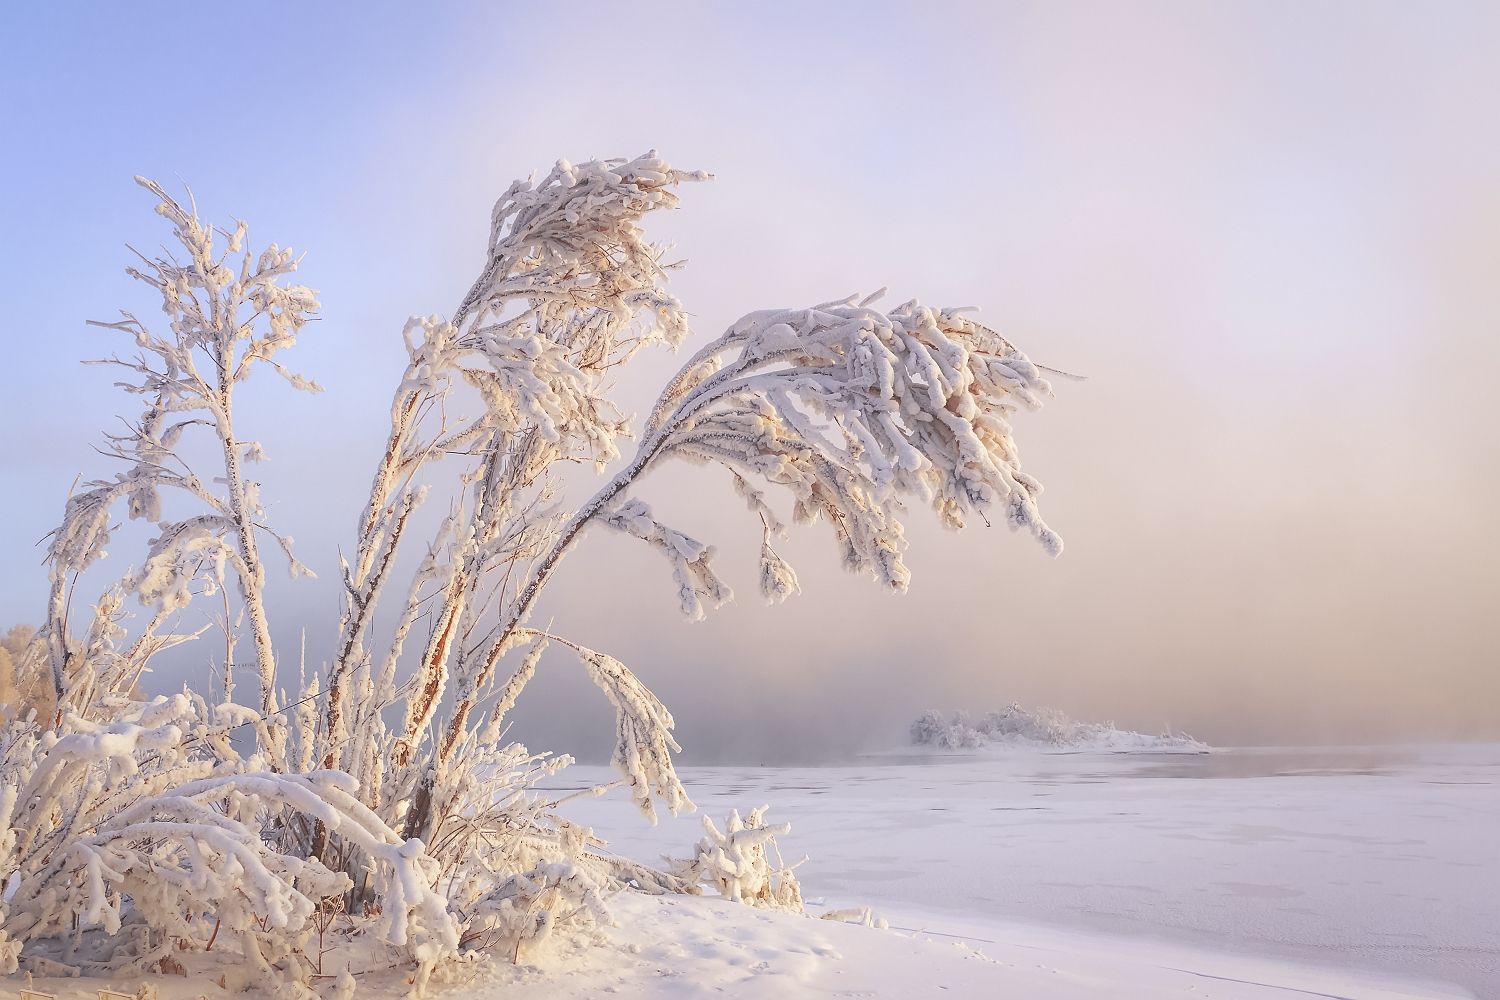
(1047,729)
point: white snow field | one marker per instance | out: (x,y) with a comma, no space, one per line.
(1357,873)
(1237,875)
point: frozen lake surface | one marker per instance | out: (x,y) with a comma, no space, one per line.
(1381,861)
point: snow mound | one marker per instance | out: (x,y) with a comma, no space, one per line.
(1040,729)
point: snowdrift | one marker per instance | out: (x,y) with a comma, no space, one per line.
(1039,729)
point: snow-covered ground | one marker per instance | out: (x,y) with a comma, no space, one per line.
(692,948)
(1238,875)
(1344,873)
(686,948)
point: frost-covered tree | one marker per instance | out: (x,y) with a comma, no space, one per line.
(933,728)
(387,782)
(227,313)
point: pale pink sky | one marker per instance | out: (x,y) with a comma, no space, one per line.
(1268,233)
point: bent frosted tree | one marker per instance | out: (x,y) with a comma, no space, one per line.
(851,410)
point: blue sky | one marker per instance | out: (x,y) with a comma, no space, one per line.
(1267,232)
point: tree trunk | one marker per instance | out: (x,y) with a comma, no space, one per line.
(253,579)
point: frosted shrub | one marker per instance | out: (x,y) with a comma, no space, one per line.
(743,863)
(156,809)
(527,908)
(385,784)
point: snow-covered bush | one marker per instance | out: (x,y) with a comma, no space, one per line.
(155,808)
(738,862)
(523,909)
(388,781)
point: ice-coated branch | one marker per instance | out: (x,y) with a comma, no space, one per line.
(690,558)
(643,731)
